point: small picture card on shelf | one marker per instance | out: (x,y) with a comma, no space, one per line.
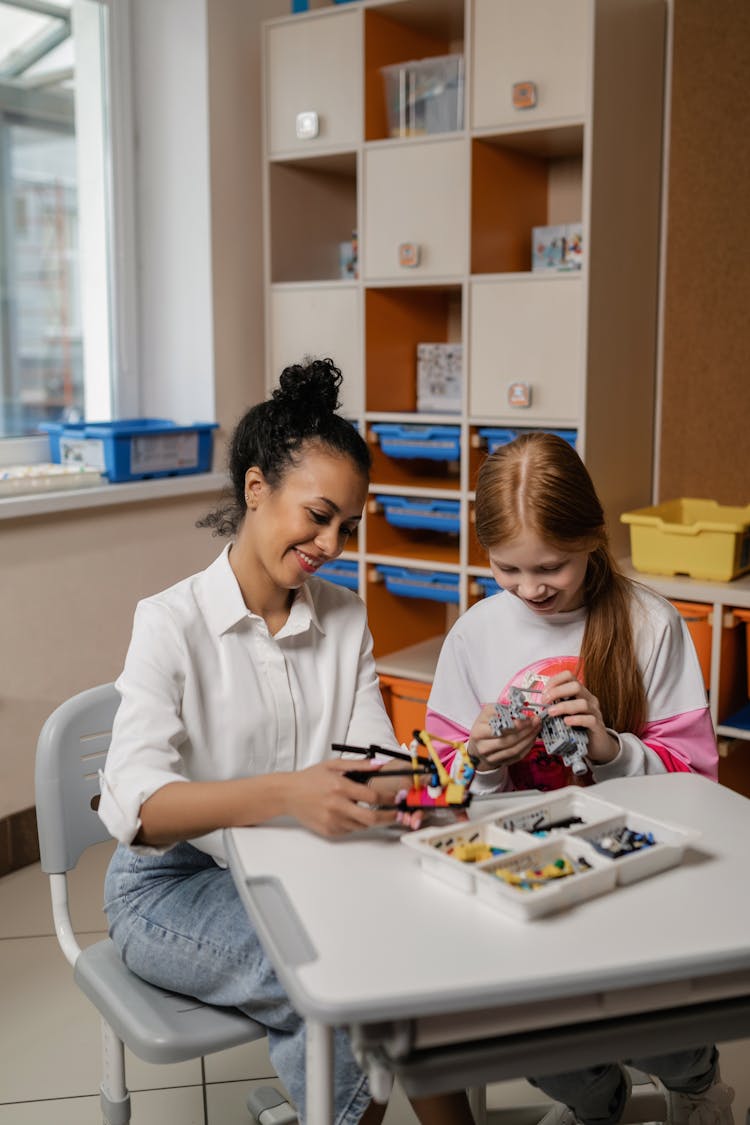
(558,248)
(439,378)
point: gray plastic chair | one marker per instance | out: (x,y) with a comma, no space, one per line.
(157,1026)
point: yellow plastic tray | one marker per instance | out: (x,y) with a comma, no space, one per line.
(699,538)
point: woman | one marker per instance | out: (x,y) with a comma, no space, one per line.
(236,683)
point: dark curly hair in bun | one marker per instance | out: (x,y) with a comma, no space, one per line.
(271,435)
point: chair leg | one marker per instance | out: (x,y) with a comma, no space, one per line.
(114,1096)
(478,1103)
(269,1107)
(647,1101)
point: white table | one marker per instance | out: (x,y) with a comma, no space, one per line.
(447,992)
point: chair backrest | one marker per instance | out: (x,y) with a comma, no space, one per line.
(70,752)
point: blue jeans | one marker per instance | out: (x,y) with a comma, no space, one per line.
(179,923)
(597,1094)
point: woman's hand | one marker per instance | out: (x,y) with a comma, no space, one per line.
(493,751)
(566,696)
(328,802)
(384,788)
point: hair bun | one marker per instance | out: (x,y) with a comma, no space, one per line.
(312,387)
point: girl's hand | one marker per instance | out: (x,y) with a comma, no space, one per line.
(324,800)
(566,696)
(511,746)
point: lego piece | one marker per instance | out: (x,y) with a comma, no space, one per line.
(432,786)
(623,841)
(535,878)
(559,740)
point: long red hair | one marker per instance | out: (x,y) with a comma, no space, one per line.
(539,482)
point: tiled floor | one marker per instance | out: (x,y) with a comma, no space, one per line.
(49,1033)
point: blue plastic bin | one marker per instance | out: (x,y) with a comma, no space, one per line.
(421,514)
(133,448)
(343,572)
(497,436)
(435,443)
(431,584)
(488,585)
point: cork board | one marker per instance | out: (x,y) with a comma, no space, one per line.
(705,431)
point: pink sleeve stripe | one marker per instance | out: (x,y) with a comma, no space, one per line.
(444,728)
(685,743)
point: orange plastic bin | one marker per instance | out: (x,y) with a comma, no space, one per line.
(406,703)
(698,618)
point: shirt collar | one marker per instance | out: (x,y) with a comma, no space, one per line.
(223,605)
(304,596)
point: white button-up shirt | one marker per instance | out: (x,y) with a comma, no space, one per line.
(207,694)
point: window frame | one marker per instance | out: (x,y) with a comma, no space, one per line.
(111,358)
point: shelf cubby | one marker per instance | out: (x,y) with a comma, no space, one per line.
(487,439)
(518,182)
(543,43)
(398,622)
(411,472)
(402,32)
(396,320)
(314,209)
(430,547)
(319,319)
(313,66)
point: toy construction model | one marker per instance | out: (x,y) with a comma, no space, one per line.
(559,739)
(432,786)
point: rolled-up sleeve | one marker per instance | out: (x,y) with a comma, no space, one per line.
(148,731)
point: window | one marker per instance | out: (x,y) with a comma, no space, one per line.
(58,331)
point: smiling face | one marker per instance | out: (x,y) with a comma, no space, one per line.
(547,579)
(291,530)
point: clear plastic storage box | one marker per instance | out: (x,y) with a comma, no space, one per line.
(425,95)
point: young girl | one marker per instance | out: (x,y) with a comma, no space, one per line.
(609,656)
(236,682)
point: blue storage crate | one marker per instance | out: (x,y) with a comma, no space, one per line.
(55,430)
(435,443)
(421,514)
(488,585)
(740,719)
(341,571)
(431,584)
(496,436)
(133,448)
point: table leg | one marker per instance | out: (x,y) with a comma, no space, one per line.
(319,1063)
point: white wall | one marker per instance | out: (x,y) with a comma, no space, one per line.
(70,582)
(173,208)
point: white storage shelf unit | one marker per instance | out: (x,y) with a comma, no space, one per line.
(465,202)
